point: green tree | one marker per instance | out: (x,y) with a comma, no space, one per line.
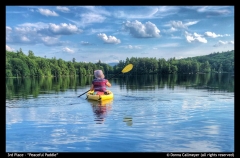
(63,67)
(32,65)
(173,69)
(71,69)
(73,60)
(195,67)
(19,68)
(205,67)
(30,54)
(44,66)
(220,68)
(8,68)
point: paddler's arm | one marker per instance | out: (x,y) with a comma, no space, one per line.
(108,84)
(92,88)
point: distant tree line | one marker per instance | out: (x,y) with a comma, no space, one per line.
(214,62)
(20,65)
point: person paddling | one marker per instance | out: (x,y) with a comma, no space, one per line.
(99,83)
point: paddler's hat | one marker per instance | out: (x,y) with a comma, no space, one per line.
(99,74)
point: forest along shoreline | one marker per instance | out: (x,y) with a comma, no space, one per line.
(20,65)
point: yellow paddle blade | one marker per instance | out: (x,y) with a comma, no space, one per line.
(127,68)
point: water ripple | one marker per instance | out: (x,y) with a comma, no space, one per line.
(163,120)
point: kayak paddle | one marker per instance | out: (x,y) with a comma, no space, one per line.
(124,70)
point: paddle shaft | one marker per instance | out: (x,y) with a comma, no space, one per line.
(108,79)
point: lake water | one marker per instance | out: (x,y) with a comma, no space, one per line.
(152,113)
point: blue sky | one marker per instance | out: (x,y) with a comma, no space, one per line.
(113,33)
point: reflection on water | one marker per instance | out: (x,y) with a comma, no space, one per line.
(213,82)
(100,109)
(33,87)
(153,113)
(128,120)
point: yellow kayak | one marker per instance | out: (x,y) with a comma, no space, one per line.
(92,96)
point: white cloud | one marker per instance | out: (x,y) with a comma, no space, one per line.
(63,9)
(194,38)
(63,28)
(103,21)
(32,33)
(9,48)
(220,43)
(8,28)
(213,35)
(167,10)
(48,29)
(25,35)
(181,25)
(89,18)
(191,23)
(145,12)
(51,41)
(94,31)
(108,39)
(172,29)
(196,35)
(214,10)
(97,10)
(141,13)
(47,12)
(139,30)
(169,45)
(68,50)
(25,30)
(25,39)
(38,25)
(178,25)
(89,15)
(133,47)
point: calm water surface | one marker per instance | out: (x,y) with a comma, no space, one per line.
(173,113)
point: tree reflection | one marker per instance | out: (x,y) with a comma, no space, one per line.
(213,81)
(32,87)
